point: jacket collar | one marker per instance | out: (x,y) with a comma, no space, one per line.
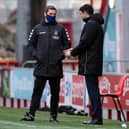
(86,19)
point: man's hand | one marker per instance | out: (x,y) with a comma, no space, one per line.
(67,52)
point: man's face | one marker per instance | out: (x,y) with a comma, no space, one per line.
(51,12)
(84,15)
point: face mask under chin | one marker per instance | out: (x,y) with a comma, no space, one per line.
(85,19)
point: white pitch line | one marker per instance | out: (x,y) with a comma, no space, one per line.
(16,124)
(43,126)
(34,126)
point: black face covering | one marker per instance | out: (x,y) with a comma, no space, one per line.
(86,19)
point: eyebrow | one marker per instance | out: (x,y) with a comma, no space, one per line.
(52,13)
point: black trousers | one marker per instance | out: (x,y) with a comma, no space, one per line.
(39,85)
(94,96)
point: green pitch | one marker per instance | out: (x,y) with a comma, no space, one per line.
(10,119)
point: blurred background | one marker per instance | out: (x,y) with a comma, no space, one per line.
(17,17)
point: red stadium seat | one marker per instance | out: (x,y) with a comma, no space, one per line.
(115,97)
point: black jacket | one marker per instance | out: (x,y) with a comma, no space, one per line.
(90,47)
(46,45)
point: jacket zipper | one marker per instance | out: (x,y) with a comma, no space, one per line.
(85,67)
(49,39)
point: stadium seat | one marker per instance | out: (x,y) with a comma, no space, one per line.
(115,97)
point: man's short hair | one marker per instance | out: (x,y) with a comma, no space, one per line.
(50,7)
(88,8)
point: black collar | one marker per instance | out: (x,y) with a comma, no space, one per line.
(86,19)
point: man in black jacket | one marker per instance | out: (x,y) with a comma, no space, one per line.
(90,54)
(47,43)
